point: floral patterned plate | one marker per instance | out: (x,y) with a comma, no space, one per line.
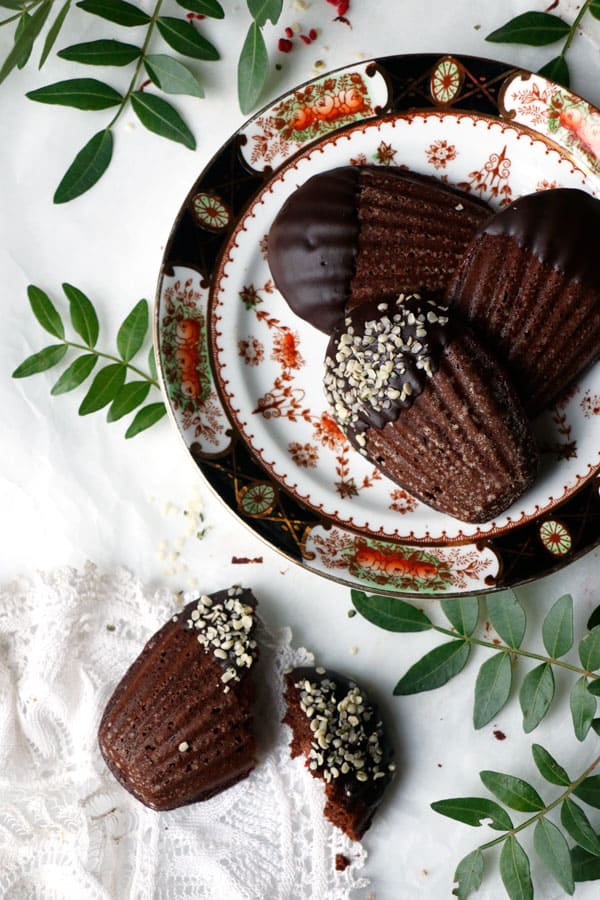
(243,374)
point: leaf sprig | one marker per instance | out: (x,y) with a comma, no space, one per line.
(567,865)
(538,29)
(165,72)
(109,387)
(495,677)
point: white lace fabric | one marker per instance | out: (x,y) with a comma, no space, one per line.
(69,830)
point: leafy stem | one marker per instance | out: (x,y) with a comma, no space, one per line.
(153,382)
(574,27)
(19,15)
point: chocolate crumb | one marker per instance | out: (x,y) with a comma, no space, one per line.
(243,560)
(499,735)
(341,862)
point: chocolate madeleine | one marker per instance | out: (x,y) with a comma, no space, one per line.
(338,729)
(178,727)
(427,404)
(530,284)
(362,233)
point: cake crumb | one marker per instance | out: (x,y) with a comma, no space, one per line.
(499,735)
(341,862)
(353,650)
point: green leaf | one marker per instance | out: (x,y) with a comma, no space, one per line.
(595,8)
(469,874)
(508,617)
(252,69)
(101,53)
(594,687)
(596,726)
(261,10)
(583,708)
(589,650)
(515,792)
(116,11)
(40,361)
(557,70)
(515,871)
(204,8)
(557,629)
(463,613)
(533,28)
(75,374)
(25,40)
(552,848)
(129,398)
(146,417)
(472,810)
(21,25)
(589,791)
(152,363)
(45,311)
(586,867)
(183,37)
(594,619)
(53,32)
(172,76)
(12,4)
(492,688)
(435,669)
(390,613)
(82,93)
(104,388)
(577,824)
(548,766)
(87,168)
(536,695)
(160,117)
(132,332)
(83,315)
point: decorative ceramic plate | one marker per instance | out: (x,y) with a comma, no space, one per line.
(243,374)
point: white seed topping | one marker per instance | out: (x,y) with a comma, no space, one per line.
(183,747)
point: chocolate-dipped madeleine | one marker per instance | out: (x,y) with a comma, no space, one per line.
(530,284)
(430,407)
(338,729)
(361,233)
(178,727)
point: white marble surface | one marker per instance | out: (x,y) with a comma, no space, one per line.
(72,489)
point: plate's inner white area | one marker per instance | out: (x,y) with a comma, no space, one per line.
(505,162)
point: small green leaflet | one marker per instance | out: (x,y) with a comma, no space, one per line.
(172,76)
(101,53)
(27,48)
(508,617)
(390,613)
(596,726)
(40,361)
(53,32)
(595,8)
(152,363)
(515,792)
(104,388)
(589,791)
(160,117)
(557,70)
(583,708)
(11,4)
(45,311)
(577,824)
(472,810)
(589,650)
(183,37)
(88,166)
(203,8)
(594,687)
(261,10)
(534,28)
(515,871)
(75,374)
(132,332)
(536,695)
(434,669)
(548,767)
(463,613)
(82,93)
(594,619)
(586,867)
(83,315)
(552,848)
(23,45)
(146,417)
(130,396)
(557,628)
(469,875)
(492,688)
(116,11)
(252,69)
